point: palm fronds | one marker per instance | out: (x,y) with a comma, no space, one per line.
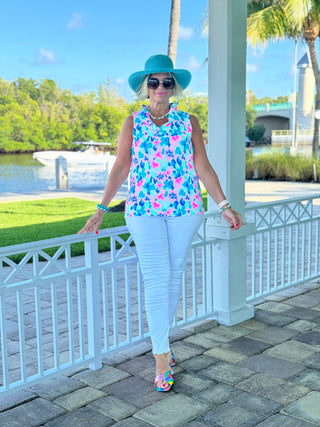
(268,23)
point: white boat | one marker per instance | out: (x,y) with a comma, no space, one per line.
(92,155)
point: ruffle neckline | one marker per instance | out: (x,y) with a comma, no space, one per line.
(173,108)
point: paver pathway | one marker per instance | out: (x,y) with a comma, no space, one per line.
(262,372)
(255,191)
(265,371)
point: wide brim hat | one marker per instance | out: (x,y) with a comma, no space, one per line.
(159,64)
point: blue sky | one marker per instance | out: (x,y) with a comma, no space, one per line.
(81,44)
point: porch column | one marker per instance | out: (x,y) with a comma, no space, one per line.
(226,151)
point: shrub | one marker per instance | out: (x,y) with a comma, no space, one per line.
(256,132)
(274,165)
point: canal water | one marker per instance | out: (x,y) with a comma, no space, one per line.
(20,173)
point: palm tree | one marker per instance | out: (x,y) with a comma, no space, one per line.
(279,19)
(174,29)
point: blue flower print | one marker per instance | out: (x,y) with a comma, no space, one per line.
(162,175)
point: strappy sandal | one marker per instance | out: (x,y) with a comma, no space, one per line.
(164,382)
(172,361)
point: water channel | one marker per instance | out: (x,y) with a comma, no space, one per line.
(20,173)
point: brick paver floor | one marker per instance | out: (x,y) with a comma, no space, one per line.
(262,372)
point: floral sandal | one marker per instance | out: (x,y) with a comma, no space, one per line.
(164,382)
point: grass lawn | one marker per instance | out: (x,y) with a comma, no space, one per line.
(28,221)
(33,220)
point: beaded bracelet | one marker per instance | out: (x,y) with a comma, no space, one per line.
(103,208)
(223,209)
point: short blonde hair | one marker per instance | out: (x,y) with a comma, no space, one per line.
(142,93)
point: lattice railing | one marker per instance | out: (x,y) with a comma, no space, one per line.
(284,251)
(59,311)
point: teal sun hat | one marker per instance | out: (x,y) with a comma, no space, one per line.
(159,64)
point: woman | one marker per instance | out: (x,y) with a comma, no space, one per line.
(163,149)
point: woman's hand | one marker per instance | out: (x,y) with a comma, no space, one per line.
(93,223)
(233,218)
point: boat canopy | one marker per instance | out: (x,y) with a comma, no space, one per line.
(91,143)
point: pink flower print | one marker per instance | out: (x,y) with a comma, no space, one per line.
(140,183)
(190,165)
(169,211)
(156,205)
(161,196)
(176,138)
(178,182)
(159,185)
(154,165)
(189,129)
(159,155)
(195,205)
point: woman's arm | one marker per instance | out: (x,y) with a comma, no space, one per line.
(207,174)
(118,175)
(121,167)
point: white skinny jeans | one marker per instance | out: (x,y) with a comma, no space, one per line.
(162,244)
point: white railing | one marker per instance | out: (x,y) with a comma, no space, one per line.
(59,311)
(284,137)
(284,251)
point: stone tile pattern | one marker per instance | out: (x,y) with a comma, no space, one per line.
(262,372)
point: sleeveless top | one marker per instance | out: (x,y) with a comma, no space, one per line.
(163,179)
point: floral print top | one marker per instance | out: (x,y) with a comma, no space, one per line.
(163,179)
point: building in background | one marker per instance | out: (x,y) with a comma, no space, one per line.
(279,119)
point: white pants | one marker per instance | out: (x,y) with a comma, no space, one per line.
(162,244)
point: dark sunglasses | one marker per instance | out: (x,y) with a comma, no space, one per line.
(153,83)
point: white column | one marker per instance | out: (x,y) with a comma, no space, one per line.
(226,119)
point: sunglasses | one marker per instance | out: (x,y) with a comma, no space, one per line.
(153,83)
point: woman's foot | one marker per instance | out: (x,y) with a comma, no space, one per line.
(164,379)
(164,382)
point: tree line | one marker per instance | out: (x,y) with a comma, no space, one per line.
(37,116)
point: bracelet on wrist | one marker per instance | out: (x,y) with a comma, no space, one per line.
(224,208)
(102,208)
(221,204)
